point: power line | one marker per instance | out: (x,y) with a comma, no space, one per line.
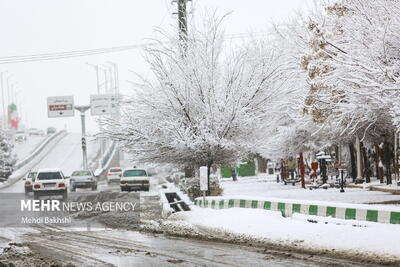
(68,54)
(89,52)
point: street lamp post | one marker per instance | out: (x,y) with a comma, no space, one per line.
(4,121)
(96,67)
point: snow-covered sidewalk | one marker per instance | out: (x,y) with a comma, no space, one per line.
(265,186)
(313,233)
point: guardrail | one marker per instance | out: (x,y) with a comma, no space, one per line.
(345,211)
(106,158)
(38,149)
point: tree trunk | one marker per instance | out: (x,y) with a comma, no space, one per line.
(366,163)
(353,162)
(262,164)
(209,164)
(301,166)
(379,171)
(387,158)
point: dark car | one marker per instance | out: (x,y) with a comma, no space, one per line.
(51,130)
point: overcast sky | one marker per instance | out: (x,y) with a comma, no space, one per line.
(46,26)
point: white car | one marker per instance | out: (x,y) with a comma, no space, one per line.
(114,175)
(28,181)
(82,179)
(20,136)
(134,179)
(49,182)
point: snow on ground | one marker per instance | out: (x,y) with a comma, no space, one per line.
(66,155)
(265,186)
(23,149)
(366,237)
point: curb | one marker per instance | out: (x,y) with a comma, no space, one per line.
(288,208)
(374,188)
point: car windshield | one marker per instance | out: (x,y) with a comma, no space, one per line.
(130,173)
(115,170)
(81,173)
(19,132)
(49,176)
(32,174)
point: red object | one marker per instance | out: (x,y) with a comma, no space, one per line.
(27,182)
(120,175)
(36,186)
(61,185)
(109,174)
(314,166)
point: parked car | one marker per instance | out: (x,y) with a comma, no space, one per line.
(134,179)
(114,175)
(51,130)
(33,131)
(6,171)
(82,179)
(20,136)
(29,181)
(49,182)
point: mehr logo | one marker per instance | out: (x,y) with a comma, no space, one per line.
(57,205)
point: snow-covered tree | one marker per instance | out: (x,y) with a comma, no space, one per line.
(6,159)
(205,105)
(353,67)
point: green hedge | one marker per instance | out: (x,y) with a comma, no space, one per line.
(247,169)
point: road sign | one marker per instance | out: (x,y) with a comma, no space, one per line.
(103,104)
(203,178)
(60,106)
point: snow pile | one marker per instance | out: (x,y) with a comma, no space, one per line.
(320,234)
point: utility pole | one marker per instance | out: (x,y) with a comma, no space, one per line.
(115,82)
(3,101)
(182,20)
(82,110)
(96,67)
(8,90)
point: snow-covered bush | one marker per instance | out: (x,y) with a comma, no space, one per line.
(6,159)
(191,186)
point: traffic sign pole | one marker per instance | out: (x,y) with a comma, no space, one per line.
(82,110)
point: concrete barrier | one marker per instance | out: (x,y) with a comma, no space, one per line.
(38,149)
(361,212)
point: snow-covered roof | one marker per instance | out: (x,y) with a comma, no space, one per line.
(50,170)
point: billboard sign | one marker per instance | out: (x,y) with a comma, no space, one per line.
(103,104)
(13,119)
(60,106)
